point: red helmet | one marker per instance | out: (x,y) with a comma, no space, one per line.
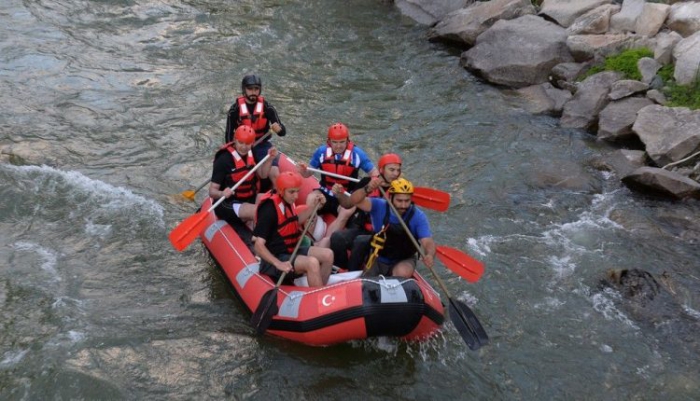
(288,179)
(244,134)
(389,158)
(338,132)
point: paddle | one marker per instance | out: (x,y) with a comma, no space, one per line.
(422,196)
(462,317)
(189,194)
(189,229)
(459,262)
(267,307)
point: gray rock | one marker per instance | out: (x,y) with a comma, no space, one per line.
(616,119)
(684,18)
(428,12)
(626,87)
(518,53)
(687,56)
(657,181)
(565,12)
(590,98)
(648,67)
(669,133)
(544,99)
(466,24)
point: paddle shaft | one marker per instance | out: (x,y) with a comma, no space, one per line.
(204,184)
(328,173)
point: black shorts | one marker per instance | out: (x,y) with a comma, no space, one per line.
(386,269)
(270,270)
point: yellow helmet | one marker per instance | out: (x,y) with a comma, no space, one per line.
(401,186)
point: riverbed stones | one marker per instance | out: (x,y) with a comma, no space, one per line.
(519,52)
(668,133)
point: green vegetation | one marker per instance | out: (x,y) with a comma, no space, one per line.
(679,95)
(683,95)
(625,62)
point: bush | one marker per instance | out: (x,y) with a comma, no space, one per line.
(683,95)
(625,62)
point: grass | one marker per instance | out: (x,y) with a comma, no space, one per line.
(626,62)
(683,95)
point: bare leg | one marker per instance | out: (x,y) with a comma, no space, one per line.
(404,268)
(325,258)
(310,266)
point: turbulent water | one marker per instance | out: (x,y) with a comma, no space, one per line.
(110,109)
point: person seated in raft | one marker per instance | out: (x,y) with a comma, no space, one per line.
(278,229)
(316,232)
(393,252)
(355,238)
(231,163)
(339,155)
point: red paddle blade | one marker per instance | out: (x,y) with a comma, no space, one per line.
(431,198)
(188,230)
(459,262)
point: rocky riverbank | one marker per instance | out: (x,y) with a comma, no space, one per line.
(542,51)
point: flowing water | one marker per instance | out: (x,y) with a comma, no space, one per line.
(112,108)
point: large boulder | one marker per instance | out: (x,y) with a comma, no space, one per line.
(428,12)
(544,99)
(594,22)
(687,56)
(668,133)
(466,24)
(519,52)
(651,19)
(588,47)
(660,182)
(684,18)
(616,120)
(625,20)
(665,42)
(590,98)
(565,12)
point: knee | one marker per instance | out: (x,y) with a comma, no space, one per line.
(326,256)
(314,266)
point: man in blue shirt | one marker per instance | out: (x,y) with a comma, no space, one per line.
(393,252)
(339,155)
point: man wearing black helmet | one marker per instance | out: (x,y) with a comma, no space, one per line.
(253,110)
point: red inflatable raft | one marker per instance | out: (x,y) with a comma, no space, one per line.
(348,308)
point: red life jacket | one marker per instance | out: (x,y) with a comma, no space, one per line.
(287,220)
(343,167)
(256,120)
(248,189)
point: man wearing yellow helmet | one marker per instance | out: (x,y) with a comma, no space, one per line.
(395,254)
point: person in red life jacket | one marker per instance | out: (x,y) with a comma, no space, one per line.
(231,164)
(338,156)
(278,229)
(253,110)
(393,252)
(358,232)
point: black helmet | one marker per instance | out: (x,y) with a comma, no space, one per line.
(250,80)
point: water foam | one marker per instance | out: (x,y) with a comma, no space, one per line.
(49,257)
(100,193)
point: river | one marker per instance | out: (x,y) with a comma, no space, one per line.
(113,108)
